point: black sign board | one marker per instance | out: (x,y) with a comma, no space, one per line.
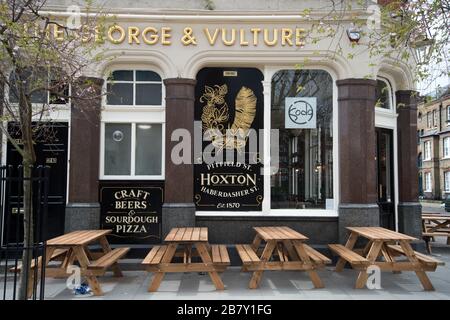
(229,103)
(132,211)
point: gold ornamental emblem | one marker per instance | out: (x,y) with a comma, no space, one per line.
(215,117)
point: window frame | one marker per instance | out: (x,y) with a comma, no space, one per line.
(426,156)
(130,114)
(428,184)
(435,118)
(390,96)
(334,122)
(448,115)
(134,82)
(447,182)
(269,71)
(132,175)
(444,154)
(53,106)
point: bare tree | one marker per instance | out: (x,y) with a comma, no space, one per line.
(41,57)
(411,32)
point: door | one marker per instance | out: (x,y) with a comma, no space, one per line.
(385,177)
(52,152)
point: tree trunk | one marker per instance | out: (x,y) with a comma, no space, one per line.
(28,230)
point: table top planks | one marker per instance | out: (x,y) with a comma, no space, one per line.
(279,233)
(187,235)
(379,233)
(78,238)
(436,217)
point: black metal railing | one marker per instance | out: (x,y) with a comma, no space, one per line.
(13,250)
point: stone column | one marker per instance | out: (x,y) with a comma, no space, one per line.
(83,209)
(409,208)
(357,163)
(178,209)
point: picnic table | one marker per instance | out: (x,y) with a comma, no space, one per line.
(383,243)
(190,242)
(290,249)
(73,247)
(435,225)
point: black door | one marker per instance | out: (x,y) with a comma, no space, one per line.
(385,177)
(50,151)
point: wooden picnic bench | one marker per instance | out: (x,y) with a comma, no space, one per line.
(73,248)
(435,225)
(190,242)
(382,249)
(290,249)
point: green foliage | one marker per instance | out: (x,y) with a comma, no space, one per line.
(210,5)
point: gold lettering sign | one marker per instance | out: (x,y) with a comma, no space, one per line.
(152,35)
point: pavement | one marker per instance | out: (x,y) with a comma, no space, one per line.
(286,285)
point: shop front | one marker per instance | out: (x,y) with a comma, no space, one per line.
(232,120)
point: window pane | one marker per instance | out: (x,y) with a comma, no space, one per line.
(148,149)
(39,97)
(120,94)
(305,176)
(148,94)
(117,149)
(121,75)
(382,95)
(33,78)
(147,76)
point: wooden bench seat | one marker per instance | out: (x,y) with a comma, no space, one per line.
(421,257)
(247,254)
(155,255)
(220,255)
(439,233)
(57,253)
(348,255)
(109,258)
(316,256)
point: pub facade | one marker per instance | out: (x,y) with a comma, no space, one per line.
(322,142)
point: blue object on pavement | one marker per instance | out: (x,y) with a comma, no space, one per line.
(82,289)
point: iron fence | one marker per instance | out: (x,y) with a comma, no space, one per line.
(12,250)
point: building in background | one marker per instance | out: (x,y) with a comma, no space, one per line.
(433,125)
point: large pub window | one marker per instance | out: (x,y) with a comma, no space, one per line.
(133,145)
(305,176)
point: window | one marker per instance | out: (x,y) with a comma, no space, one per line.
(133,149)
(435,118)
(446,148)
(133,139)
(427,181)
(40,78)
(448,115)
(447,181)
(427,150)
(429,120)
(383,95)
(134,88)
(305,175)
